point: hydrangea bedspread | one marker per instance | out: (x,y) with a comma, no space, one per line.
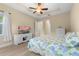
(70,46)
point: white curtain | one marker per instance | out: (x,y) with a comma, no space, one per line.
(48,27)
(39,29)
(7,27)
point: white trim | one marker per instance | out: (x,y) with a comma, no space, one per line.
(4,45)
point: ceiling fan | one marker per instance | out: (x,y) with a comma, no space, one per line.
(39,8)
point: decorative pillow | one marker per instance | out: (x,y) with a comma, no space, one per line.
(77,34)
(70,34)
(72,41)
(77,45)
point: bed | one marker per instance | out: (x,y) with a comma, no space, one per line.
(49,47)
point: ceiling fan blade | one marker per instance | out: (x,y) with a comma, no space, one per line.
(32,8)
(34,11)
(44,8)
(41,12)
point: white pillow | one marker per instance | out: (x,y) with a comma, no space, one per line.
(77,34)
(70,34)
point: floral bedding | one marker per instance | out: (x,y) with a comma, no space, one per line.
(37,45)
(69,47)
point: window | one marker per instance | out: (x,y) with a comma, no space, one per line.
(1,24)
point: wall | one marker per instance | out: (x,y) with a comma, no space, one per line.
(62,20)
(75,18)
(18,18)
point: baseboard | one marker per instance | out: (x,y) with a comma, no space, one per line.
(4,45)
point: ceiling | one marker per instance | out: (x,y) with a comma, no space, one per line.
(53,8)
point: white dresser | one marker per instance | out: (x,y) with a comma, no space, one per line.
(20,38)
(60,32)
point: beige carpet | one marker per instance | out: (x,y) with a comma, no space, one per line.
(19,50)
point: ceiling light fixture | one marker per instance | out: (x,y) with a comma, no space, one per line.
(39,8)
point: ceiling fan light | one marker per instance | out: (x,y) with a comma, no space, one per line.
(38,10)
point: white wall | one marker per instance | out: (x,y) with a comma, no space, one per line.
(18,18)
(62,20)
(75,18)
